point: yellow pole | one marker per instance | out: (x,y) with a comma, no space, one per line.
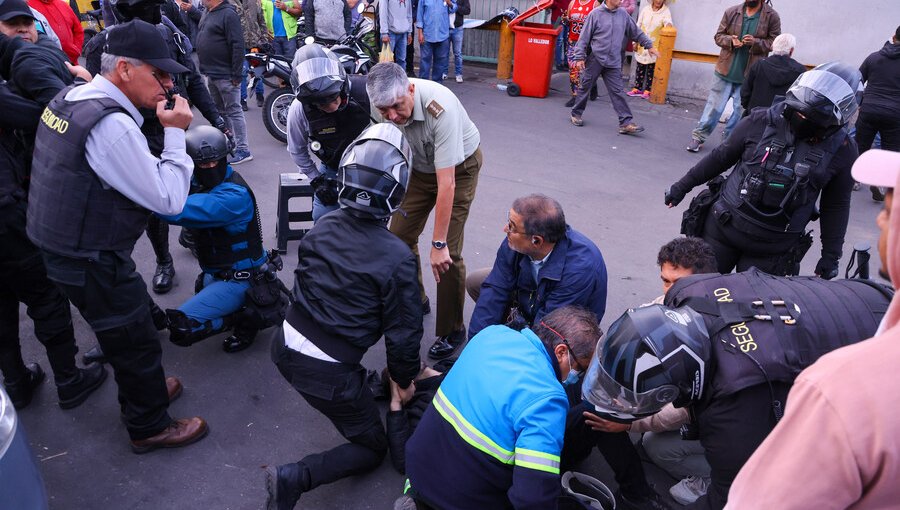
(663,65)
(505,53)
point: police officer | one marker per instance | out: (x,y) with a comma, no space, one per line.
(448,158)
(355,283)
(188,83)
(331,110)
(786,156)
(735,392)
(23,277)
(93,181)
(222,214)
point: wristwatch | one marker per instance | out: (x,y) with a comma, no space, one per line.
(439,245)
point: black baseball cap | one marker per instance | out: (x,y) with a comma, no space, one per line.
(10,9)
(141,40)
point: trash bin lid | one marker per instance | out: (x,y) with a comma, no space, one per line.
(531,11)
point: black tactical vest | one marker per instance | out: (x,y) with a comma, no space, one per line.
(331,133)
(215,246)
(775,192)
(766,328)
(70,211)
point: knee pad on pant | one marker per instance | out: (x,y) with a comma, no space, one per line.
(185,331)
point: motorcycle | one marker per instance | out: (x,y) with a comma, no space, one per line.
(355,54)
(275,71)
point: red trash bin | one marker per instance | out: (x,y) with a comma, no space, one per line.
(533,52)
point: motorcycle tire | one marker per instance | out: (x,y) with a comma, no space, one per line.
(88,35)
(275,112)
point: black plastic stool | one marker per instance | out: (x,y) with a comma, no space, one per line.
(292,185)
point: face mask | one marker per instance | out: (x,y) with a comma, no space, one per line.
(574,375)
(805,129)
(209,178)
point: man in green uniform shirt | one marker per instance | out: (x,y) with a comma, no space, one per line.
(446,162)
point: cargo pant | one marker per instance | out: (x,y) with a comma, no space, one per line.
(420,199)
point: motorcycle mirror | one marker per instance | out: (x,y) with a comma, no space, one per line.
(309,40)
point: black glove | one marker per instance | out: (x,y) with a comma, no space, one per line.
(826,268)
(223,127)
(674,195)
(325,190)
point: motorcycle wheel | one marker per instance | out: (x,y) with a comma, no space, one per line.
(275,112)
(88,34)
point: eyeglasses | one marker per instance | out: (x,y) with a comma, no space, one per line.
(511,228)
(160,75)
(578,368)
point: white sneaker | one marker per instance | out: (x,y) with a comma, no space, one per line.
(444,76)
(459,78)
(689,489)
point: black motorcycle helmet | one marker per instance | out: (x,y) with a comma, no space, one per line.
(318,76)
(206,144)
(146,10)
(826,98)
(374,172)
(651,356)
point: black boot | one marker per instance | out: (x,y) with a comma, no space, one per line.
(186,239)
(239,340)
(285,484)
(77,389)
(22,390)
(164,276)
(94,355)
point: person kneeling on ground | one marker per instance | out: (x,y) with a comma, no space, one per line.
(329,327)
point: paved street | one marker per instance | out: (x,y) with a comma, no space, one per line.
(611,187)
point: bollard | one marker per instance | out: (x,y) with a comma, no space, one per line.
(505,53)
(663,65)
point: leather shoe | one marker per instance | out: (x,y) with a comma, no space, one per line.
(173,388)
(445,345)
(284,485)
(21,391)
(181,432)
(75,391)
(163,278)
(94,355)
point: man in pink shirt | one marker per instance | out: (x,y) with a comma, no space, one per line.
(838,445)
(65,23)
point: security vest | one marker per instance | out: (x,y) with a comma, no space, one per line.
(71,211)
(775,191)
(219,249)
(331,133)
(766,328)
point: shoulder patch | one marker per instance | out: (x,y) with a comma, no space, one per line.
(435,109)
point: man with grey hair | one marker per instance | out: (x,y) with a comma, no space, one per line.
(543,264)
(446,162)
(94,183)
(771,76)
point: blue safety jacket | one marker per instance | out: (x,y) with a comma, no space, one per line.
(228,212)
(494,433)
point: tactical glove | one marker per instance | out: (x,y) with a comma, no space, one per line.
(826,268)
(675,194)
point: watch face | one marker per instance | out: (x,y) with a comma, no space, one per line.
(438,244)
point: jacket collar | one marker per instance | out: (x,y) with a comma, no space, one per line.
(556,262)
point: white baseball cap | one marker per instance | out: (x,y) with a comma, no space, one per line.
(877,168)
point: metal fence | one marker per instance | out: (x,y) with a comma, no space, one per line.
(483,45)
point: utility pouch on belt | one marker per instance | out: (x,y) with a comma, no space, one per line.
(695,216)
(789,263)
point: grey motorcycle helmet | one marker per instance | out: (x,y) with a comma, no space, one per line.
(317,76)
(374,172)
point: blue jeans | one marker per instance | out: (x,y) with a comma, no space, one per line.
(719,94)
(227,97)
(319,209)
(259,84)
(285,47)
(456,39)
(433,61)
(560,53)
(398,46)
(218,299)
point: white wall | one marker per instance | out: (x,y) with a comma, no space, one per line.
(825,30)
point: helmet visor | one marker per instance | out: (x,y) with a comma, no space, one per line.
(829,86)
(608,396)
(318,68)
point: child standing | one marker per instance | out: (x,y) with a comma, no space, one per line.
(651,20)
(574,17)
